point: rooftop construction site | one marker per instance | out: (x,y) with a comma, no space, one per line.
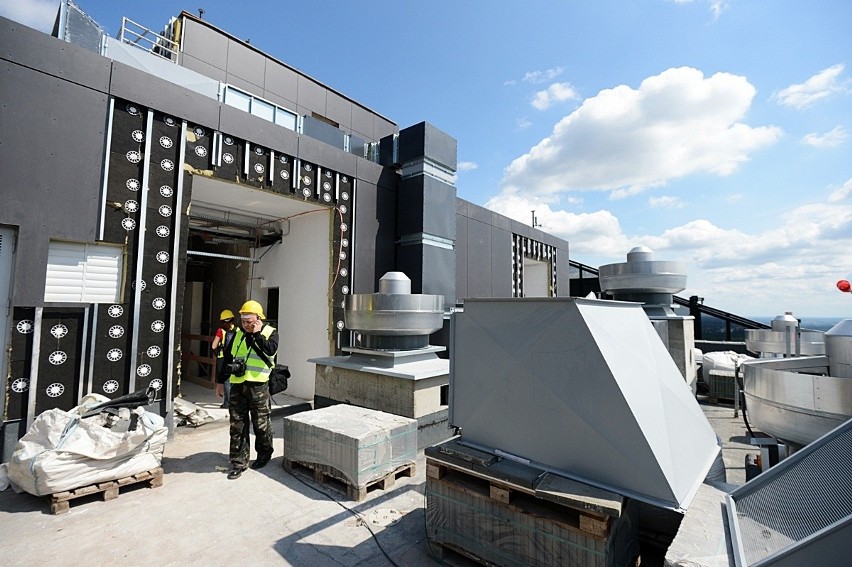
(460,392)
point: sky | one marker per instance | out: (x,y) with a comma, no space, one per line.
(715,132)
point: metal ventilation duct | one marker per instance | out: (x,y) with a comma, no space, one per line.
(799,512)
(394,318)
(583,387)
(643,279)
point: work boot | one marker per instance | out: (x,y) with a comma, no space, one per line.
(235,472)
(261,461)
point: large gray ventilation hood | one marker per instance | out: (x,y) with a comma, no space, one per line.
(583,387)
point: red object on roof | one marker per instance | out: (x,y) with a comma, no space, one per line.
(844,285)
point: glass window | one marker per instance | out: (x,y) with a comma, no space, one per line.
(285,118)
(237,99)
(263,109)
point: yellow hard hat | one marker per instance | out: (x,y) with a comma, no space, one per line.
(226,314)
(252,306)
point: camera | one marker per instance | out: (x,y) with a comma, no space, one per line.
(237,367)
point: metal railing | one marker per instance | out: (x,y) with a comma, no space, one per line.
(139,36)
(695,304)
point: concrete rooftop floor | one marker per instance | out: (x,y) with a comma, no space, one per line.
(268,516)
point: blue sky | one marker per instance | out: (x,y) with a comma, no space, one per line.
(715,132)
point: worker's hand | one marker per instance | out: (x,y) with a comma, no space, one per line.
(220,390)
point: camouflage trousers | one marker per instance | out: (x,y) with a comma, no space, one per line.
(249,404)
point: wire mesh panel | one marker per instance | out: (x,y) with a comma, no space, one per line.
(800,508)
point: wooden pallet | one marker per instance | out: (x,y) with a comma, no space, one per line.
(330,476)
(61,501)
(571,511)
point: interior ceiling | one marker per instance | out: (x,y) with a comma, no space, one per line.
(223,212)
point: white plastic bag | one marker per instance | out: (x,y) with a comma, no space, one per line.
(61,451)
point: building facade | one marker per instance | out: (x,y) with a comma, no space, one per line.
(146,187)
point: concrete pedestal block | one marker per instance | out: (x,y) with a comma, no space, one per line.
(417,389)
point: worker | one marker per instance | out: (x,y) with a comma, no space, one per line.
(248,363)
(221,342)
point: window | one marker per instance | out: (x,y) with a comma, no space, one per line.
(83,273)
(260,108)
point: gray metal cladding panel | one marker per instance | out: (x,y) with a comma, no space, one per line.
(501,263)
(42,116)
(203,68)
(311,96)
(243,84)
(204,44)
(246,63)
(479,255)
(257,130)
(60,358)
(374,252)
(20,362)
(53,57)
(282,82)
(363,123)
(146,90)
(339,110)
(461,257)
(562,272)
(327,156)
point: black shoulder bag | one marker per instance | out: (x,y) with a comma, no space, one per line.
(279,375)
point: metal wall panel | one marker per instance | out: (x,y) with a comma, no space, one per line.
(146,90)
(339,109)
(480,258)
(48,190)
(25,46)
(204,44)
(462,288)
(501,263)
(247,64)
(281,83)
(203,68)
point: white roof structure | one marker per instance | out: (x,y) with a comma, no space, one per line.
(582,387)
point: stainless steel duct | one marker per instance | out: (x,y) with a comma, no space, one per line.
(393,318)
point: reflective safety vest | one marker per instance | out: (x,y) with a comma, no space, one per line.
(256,368)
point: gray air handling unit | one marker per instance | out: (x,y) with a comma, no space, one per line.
(799,512)
(584,388)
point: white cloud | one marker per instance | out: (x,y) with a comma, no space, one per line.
(523,123)
(467,166)
(665,201)
(834,137)
(792,266)
(842,193)
(735,198)
(820,86)
(675,124)
(716,6)
(37,14)
(557,92)
(537,77)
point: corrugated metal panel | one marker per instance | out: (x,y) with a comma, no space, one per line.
(82,273)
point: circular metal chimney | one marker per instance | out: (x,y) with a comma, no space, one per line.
(394,318)
(643,279)
(838,349)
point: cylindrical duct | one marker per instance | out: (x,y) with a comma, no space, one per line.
(838,349)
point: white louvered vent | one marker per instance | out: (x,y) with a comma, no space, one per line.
(82,273)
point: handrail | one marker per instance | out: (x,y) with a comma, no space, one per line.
(140,37)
